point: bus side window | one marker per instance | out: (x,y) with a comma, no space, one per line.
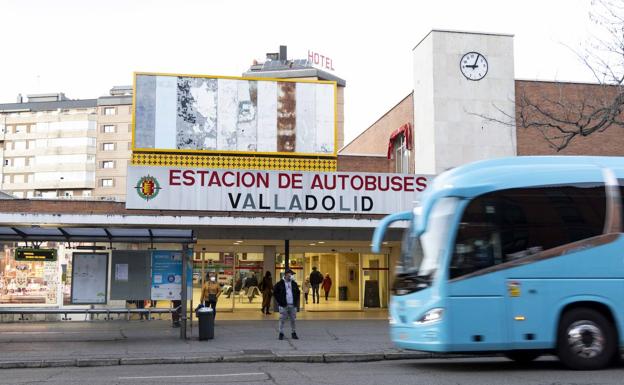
(541,218)
(507,225)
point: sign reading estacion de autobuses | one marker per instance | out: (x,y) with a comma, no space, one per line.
(178,188)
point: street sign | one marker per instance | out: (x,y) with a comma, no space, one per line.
(32,255)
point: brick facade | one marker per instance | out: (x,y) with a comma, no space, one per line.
(364,163)
(531,142)
(374,140)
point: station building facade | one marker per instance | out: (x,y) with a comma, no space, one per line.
(460,79)
(237,243)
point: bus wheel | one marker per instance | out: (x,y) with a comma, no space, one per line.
(586,340)
(523,356)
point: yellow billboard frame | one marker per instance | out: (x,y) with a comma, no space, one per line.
(234,152)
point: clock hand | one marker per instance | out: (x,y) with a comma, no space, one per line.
(475,63)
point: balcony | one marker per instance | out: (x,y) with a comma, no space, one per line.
(62,185)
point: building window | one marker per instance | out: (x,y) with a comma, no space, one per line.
(6,162)
(20,129)
(401,155)
(108,164)
(106,182)
(108,128)
(399,147)
(109,111)
(108,146)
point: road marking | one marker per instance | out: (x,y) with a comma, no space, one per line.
(192,376)
(44,332)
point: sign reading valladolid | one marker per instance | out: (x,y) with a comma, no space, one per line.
(179,188)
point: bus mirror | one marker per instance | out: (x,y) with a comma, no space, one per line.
(383,225)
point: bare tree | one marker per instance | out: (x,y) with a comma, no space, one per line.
(562,117)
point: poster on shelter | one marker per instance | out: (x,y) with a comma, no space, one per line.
(167,275)
(89,278)
(203,113)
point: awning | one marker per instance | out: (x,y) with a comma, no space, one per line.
(405,130)
(96,234)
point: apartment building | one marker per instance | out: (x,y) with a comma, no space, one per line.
(49,145)
(52,146)
(114,143)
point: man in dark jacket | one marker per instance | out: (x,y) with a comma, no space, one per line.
(287,295)
(316,278)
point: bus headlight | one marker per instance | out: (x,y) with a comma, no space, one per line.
(391,320)
(430,316)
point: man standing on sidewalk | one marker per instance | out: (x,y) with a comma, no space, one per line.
(316,278)
(287,296)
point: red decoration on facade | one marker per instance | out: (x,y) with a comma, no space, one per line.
(405,130)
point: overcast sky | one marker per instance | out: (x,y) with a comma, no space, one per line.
(84,47)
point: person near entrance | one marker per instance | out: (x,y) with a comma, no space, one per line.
(327,284)
(210,293)
(266,287)
(316,278)
(306,289)
(287,295)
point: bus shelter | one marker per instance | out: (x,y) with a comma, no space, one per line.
(133,273)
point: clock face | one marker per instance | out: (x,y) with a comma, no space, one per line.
(473,65)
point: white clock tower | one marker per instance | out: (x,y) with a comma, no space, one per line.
(458,78)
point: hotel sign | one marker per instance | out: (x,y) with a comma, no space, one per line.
(179,188)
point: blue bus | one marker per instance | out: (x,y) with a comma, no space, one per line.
(522,255)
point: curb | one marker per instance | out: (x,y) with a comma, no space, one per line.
(279,357)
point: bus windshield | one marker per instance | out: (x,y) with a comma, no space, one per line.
(420,255)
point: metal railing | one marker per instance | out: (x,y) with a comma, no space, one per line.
(87,312)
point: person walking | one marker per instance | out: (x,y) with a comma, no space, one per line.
(316,278)
(287,295)
(210,293)
(266,286)
(327,284)
(306,289)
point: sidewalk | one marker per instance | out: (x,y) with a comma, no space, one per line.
(101,343)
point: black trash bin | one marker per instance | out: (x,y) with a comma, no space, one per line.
(342,293)
(205,317)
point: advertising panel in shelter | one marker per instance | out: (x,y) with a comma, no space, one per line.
(167,275)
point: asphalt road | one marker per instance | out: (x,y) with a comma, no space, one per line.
(477,371)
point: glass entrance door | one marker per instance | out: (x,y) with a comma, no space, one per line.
(220,264)
(374,281)
(247,277)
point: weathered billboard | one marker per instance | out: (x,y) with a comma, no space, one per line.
(190,113)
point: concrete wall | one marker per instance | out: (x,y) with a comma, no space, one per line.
(448,131)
